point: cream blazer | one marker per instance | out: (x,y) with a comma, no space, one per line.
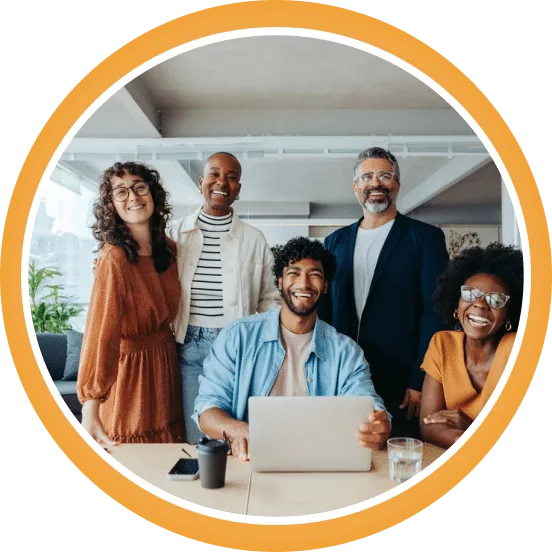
(247,280)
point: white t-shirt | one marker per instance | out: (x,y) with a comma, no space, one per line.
(368,246)
(291,380)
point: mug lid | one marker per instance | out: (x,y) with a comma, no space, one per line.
(212,446)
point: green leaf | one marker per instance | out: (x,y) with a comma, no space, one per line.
(51,310)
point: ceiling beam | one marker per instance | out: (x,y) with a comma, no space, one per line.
(311,122)
(142,111)
(258,147)
(137,102)
(454,171)
(85,175)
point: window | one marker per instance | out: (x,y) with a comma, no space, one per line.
(62,237)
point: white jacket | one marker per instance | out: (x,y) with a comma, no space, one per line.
(247,280)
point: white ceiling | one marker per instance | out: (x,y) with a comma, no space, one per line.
(483,187)
(275,72)
(114,120)
(289,89)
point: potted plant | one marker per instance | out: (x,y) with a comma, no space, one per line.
(51,310)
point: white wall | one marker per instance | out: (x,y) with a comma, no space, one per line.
(279,234)
(510,230)
(458,214)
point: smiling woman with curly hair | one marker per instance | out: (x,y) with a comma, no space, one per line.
(480,294)
(128,377)
(110,228)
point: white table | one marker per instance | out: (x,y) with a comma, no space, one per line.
(263,494)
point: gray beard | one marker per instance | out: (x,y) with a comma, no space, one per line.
(379,207)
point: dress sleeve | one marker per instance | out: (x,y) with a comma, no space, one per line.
(433,360)
(102,336)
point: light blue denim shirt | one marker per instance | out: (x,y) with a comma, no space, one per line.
(248,353)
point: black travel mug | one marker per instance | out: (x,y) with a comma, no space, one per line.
(212,454)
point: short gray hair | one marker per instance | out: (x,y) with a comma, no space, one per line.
(377,153)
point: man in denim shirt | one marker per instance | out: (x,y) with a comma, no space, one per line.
(287,351)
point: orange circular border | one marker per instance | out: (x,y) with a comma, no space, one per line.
(245,16)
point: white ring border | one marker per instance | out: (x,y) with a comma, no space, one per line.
(306,33)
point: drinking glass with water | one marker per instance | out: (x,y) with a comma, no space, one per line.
(405,458)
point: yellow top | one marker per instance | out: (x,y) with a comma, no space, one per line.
(444,361)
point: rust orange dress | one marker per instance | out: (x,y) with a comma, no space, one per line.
(128,358)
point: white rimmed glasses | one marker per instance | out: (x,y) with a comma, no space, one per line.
(494,299)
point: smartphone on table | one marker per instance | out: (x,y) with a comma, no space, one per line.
(185,469)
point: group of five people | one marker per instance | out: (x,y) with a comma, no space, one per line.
(186,323)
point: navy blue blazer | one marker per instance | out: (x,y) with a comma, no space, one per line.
(398,319)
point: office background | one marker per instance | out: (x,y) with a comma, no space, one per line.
(296,128)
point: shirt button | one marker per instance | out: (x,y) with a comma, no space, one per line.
(230,270)
(233,303)
(310,380)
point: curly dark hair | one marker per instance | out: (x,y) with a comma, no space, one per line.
(110,228)
(302,248)
(503,261)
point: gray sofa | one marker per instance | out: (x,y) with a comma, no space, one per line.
(54,351)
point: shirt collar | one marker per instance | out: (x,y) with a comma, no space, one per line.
(236,229)
(271,332)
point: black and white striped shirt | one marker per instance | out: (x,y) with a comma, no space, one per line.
(206,306)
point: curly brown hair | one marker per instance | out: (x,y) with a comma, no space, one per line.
(110,228)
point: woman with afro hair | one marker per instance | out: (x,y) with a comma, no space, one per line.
(128,378)
(480,296)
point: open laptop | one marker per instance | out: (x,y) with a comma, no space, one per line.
(308,434)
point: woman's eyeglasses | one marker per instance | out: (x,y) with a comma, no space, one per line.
(494,299)
(121,194)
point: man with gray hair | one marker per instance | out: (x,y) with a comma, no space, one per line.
(387,265)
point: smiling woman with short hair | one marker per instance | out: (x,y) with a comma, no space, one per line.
(225,273)
(480,294)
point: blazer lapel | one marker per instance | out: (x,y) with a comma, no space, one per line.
(392,239)
(347,258)
(346,277)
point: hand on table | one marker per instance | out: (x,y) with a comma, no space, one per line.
(453,418)
(374,433)
(412,399)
